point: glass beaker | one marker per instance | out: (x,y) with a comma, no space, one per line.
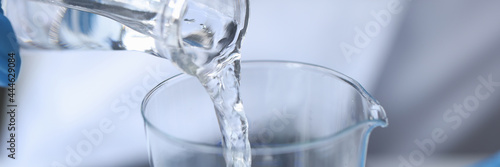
(300,115)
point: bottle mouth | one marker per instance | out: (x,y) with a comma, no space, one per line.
(375,116)
(197,35)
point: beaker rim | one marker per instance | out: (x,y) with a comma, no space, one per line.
(381,119)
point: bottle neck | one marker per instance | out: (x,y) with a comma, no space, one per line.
(139,15)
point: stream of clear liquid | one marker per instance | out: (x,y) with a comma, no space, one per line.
(209,42)
(223,88)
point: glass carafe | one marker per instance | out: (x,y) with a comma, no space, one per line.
(163,28)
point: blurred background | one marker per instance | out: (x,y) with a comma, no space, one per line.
(420,59)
